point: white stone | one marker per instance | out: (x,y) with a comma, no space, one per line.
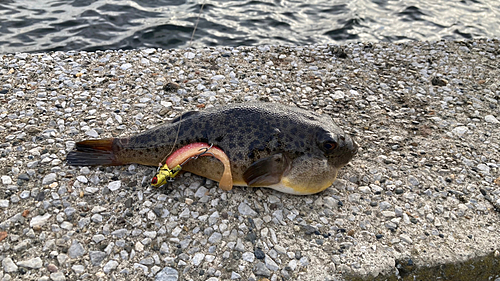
(92,133)
(114,185)
(48,179)
(39,221)
(271,264)
(4,203)
(248,256)
(292,264)
(166,104)
(177,230)
(34,263)
(198,258)
(98,209)
(110,265)
(406,238)
(90,189)
(460,130)
(66,225)
(365,189)
(6,180)
(484,168)
(118,118)
(9,265)
(78,269)
(189,55)
(209,258)
(397,138)
(388,214)
(139,247)
(125,66)
(57,276)
(202,191)
(168,274)
(338,95)
(82,179)
(245,210)
(217,77)
(491,119)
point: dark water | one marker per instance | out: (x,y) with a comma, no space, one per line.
(45,25)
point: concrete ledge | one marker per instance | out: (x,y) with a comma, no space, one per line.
(421,200)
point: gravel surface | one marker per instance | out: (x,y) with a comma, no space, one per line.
(423,191)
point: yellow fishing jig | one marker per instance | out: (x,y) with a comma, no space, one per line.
(165,174)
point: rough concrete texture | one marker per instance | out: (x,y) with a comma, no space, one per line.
(420,201)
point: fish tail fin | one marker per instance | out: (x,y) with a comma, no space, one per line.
(94,152)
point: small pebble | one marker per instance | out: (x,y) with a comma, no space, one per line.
(245,210)
(114,185)
(76,250)
(9,265)
(52,268)
(39,221)
(4,203)
(259,254)
(491,119)
(215,238)
(109,266)
(57,276)
(48,179)
(6,180)
(260,269)
(34,263)
(167,274)
(271,264)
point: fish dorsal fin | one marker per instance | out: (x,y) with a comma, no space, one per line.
(267,171)
(185,115)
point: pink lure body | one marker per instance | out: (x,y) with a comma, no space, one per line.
(194,149)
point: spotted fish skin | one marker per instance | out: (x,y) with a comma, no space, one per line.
(282,147)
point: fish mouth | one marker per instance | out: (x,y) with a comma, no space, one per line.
(353,147)
(348,148)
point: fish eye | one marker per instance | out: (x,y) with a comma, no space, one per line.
(154,180)
(329,145)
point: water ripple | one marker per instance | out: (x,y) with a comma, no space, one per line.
(48,25)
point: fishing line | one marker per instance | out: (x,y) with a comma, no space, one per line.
(196,25)
(180,119)
(175,142)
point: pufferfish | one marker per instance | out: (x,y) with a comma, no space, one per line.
(285,148)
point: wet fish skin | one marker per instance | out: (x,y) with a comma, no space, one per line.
(253,135)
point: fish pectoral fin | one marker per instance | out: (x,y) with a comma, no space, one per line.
(267,171)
